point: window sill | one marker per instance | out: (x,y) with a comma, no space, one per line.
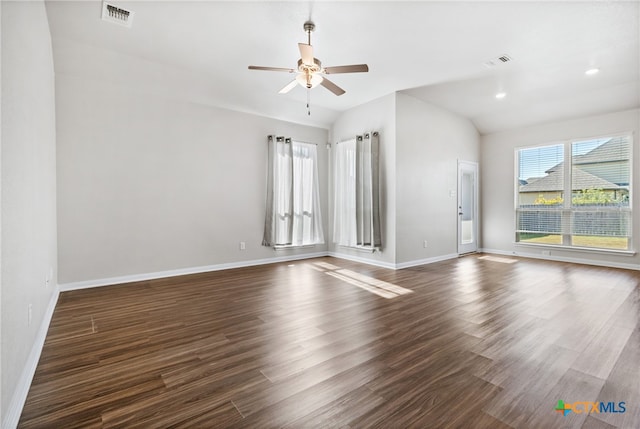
(578,249)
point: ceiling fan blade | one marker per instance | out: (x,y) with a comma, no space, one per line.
(289,87)
(306,53)
(332,86)
(271,69)
(355,68)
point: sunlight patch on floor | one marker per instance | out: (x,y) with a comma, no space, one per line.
(326,265)
(380,284)
(379,287)
(369,288)
(498,259)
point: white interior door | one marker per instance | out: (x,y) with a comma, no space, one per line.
(467,207)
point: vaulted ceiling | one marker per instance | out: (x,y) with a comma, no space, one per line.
(435,51)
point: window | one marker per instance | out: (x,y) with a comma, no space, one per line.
(356,208)
(293,199)
(575,194)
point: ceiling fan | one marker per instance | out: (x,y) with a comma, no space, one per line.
(310,70)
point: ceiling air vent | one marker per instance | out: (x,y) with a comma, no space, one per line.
(117,15)
(502,59)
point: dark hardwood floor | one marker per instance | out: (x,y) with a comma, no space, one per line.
(476,342)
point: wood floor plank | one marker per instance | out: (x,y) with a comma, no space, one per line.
(431,404)
(593,423)
(317,372)
(526,383)
(602,353)
(469,342)
(205,396)
(623,384)
(313,398)
(342,411)
(573,386)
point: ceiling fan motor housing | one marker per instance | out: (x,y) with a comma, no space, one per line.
(309,26)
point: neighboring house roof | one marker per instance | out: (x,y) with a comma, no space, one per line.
(581,180)
(614,150)
(530,180)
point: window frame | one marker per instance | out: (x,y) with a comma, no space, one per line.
(567,209)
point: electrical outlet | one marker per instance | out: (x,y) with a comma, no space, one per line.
(243,245)
(546,252)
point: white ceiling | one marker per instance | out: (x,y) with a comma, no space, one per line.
(434,51)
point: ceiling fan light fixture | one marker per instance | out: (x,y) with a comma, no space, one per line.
(310,80)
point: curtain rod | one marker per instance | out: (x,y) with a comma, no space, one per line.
(366,135)
(289,140)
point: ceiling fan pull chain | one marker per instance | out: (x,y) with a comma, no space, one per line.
(308,101)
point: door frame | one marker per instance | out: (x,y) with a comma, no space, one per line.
(470,247)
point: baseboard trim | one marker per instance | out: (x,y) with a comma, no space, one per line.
(426,261)
(393,266)
(380,264)
(184,271)
(110,281)
(28,371)
(557,258)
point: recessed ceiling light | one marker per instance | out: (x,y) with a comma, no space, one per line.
(501,95)
(591,72)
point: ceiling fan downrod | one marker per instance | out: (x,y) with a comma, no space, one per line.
(309,26)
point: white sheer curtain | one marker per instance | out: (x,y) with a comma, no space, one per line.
(356,208)
(293,216)
(344,218)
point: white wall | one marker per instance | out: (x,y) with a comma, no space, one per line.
(28,187)
(148,184)
(377,115)
(497,182)
(1,389)
(429,143)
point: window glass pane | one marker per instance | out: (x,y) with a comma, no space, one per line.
(600,172)
(540,194)
(541,176)
(466,222)
(600,193)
